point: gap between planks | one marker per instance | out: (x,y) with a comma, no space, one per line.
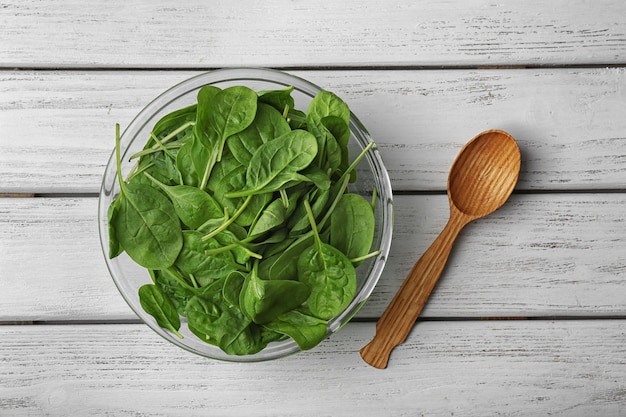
(395,193)
(16,195)
(354,320)
(399,67)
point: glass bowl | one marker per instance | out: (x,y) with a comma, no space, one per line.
(371,173)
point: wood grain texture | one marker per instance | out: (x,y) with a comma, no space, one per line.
(59,125)
(274,33)
(539,255)
(557,368)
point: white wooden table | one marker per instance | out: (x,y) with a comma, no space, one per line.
(529,318)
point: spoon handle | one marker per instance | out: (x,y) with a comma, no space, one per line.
(398,319)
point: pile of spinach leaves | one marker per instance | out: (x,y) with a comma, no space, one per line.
(238,207)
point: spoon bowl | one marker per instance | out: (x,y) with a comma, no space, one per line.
(481,180)
(484,174)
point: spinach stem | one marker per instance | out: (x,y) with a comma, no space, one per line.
(235,245)
(343,184)
(178,278)
(311,217)
(207,172)
(162,146)
(211,221)
(158,146)
(284,197)
(356,161)
(193,281)
(149,151)
(342,188)
(118,159)
(136,170)
(176,332)
(364,257)
(176,131)
(157,182)
(374,199)
(230,221)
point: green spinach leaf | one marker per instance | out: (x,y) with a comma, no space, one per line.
(307,331)
(352,226)
(192,205)
(277,163)
(279,99)
(115,248)
(324,106)
(217,322)
(272,217)
(264,300)
(226,113)
(330,275)
(206,269)
(146,225)
(267,125)
(155,303)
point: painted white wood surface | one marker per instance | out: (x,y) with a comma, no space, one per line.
(424,77)
(207,34)
(478,368)
(58,126)
(540,255)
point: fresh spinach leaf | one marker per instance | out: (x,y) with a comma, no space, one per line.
(191,161)
(192,205)
(267,125)
(227,165)
(324,105)
(179,294)
(279,99)
(217,322)
(330,275)
(228,112)
(318,177)
(176,122)
(155,303)
(146,225)
(340,131)
(272,217)
(299,222)
(234,243)
(229,184)
(352,226)
(115,248)
(277,162)
(175,126)
(285,264)
(264,300)
(206,269)
(232,288)
(307,331)
(296,119)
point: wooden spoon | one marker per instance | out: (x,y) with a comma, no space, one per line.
(480,181)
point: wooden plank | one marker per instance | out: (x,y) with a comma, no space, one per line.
(540,255)
(561,368)
(53,267)
(59,125)
(198,34)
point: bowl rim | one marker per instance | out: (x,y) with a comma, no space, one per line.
(225,75)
